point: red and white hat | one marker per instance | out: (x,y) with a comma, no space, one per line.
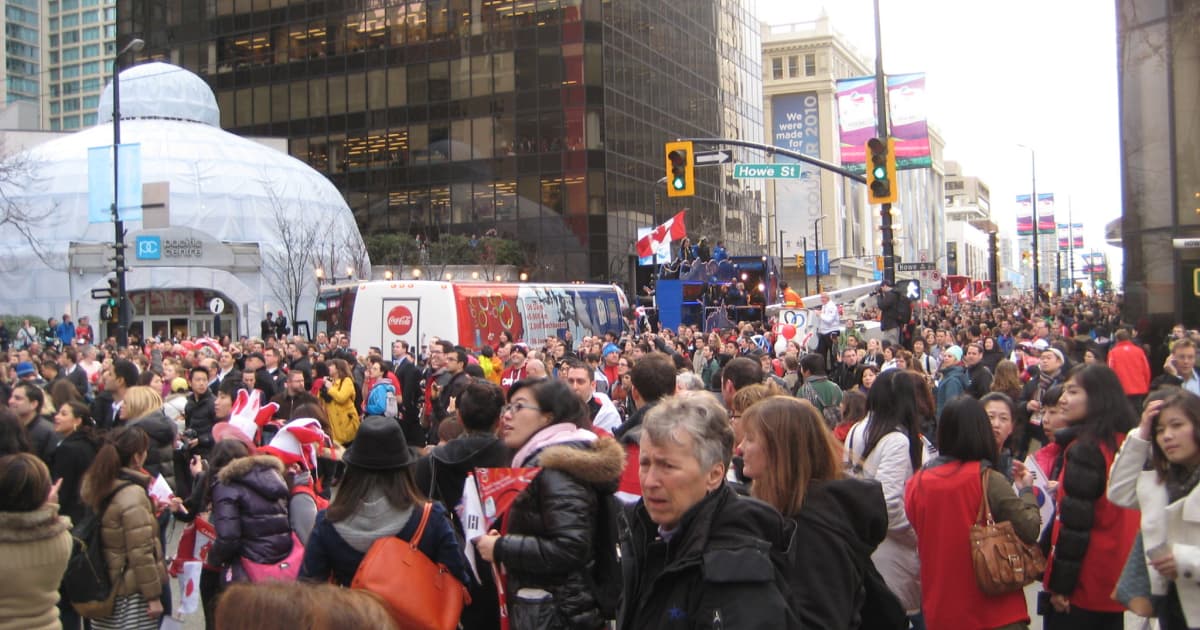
(298,442)
(247,418)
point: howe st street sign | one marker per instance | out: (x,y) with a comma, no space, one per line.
(766,171)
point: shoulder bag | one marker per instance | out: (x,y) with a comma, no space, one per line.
(1003,562)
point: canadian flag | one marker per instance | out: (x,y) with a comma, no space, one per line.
(672,230)
(965,294)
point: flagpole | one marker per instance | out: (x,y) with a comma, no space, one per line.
(1071,241)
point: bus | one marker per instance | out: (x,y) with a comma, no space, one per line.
(471,314)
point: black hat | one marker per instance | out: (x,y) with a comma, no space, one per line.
(379,445)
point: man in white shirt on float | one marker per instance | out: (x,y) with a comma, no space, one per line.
(829,323)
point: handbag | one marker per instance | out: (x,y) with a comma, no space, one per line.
(1003,562)
(419,594)
(286,570)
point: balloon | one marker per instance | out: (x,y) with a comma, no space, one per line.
(789,331)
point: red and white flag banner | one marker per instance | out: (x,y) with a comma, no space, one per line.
(672,230)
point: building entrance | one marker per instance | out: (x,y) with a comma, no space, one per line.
(180,313)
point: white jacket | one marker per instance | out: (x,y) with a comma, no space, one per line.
(896,557)
(1176,524)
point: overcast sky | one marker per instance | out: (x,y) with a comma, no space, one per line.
(1037,72)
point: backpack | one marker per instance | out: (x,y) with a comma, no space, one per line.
(391,408)
(604,576)
(377,400)
(86,585)
(831,410)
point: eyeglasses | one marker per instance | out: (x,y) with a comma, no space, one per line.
(513,408)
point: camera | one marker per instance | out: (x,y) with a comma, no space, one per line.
(189,434)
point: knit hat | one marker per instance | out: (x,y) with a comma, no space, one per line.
(178,385)
(298,442)
(1058,353)
(954,351)
(25,368)
(610,348)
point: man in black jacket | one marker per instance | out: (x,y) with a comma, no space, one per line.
(117,378)
(441,475)
(409,375)
(978,373)
(199,413)
(694,553)
(889,312)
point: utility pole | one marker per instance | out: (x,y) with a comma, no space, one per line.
(994,265)
(804,242)
(123,310)
(885,210)
(817,249)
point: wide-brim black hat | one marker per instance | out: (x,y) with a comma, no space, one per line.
(379,445)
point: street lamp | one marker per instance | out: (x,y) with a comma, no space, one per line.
(817,249)
(134,45)
(1033,203)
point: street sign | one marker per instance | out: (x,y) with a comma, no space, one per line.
(1186,243)
(102,294)
(713,157)
(917,266)
(216,305)
(766,171)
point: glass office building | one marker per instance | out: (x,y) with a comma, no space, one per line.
(1159,49)
(80,50)
(541,119)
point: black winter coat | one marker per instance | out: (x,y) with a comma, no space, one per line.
(725,566)
(250,512)
(201,415)
(553,533)
(160,459)
(71,459)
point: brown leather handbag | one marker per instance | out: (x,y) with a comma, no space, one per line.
(1003,562)
(420,594)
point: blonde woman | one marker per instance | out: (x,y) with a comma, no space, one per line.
(143,408)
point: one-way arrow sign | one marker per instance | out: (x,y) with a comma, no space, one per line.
(713,157)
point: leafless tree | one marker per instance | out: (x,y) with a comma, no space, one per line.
(290,263)
(18,215)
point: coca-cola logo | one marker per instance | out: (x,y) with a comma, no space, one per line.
(400,320)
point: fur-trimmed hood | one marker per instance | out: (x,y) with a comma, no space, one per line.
(242,466)
(39,524)
(598,463)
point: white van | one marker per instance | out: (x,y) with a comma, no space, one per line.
(470,314)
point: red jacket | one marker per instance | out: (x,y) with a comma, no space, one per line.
(1131,366)
(942,503)
(1109,541)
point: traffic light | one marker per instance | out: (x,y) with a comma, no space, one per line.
(881,170)
(681,169)
(799,261)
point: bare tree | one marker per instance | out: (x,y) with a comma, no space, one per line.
(18,215)
(290,263)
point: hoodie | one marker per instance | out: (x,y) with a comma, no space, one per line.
(441,473)
(160,459)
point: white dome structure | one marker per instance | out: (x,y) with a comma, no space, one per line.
(227,198)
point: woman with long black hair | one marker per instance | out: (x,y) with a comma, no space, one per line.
(1091,537)
(888,448)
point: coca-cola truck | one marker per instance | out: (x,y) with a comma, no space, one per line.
(471,314)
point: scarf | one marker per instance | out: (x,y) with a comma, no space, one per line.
(1045,382)
(1179,486)
(559,433)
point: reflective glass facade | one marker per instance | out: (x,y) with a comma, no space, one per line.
(1159,49)
(22,48)
(81,36)
(541,119)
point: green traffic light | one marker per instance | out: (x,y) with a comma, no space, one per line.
(112,302)
(678,183)
(880,172)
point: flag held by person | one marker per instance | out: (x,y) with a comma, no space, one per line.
(672,230)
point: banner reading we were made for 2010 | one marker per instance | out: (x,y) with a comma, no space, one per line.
(857,121)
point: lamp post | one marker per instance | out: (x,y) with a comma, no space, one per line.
(122,331)
(1033,204)
(817,249)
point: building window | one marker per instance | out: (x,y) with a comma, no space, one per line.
(810,65)
(793,66)
(777,68)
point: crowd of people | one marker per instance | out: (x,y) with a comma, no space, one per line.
(684,478)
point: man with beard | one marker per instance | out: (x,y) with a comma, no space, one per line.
(980,377)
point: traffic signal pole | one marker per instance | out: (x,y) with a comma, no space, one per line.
(885,210)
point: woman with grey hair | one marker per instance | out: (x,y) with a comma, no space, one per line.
(689,519)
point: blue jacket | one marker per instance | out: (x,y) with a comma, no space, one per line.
(327,554)
(954,383)
(65,332)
